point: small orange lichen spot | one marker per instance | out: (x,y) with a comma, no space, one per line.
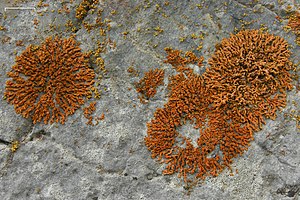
(35,22)
(278,18)
(50,81)
(102,117)
(19,43)
(2,28)
(148,84)
(66,9)
(88,111)
(133,71)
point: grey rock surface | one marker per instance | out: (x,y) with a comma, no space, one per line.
(110,160)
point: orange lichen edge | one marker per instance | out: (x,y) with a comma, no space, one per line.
(88,111)
(245,84)
(148,84)
(294,22)
(50,81)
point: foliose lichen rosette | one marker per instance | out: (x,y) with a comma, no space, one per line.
(248,77)
(49,82)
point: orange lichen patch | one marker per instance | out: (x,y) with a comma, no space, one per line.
(245,84)
(19,43)
(294,22)
(179,62)
(101,117)
(50,81)
(66,9)
(148,84)
(249,76)
(36,22)
(88,111)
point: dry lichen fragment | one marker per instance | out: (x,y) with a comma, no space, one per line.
(88,111)
(49,82)
(246,83)
(148,84)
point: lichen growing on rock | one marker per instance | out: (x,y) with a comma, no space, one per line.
(148,84)
(88,111)
(84,7)
(247,82)
(294,22)
(50,81)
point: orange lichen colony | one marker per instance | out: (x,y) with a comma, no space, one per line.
(148,84)
(88,111)
(246,82)
(50,82)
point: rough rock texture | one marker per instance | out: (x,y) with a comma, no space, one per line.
(110,160)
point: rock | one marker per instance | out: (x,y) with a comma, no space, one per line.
(110,160)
